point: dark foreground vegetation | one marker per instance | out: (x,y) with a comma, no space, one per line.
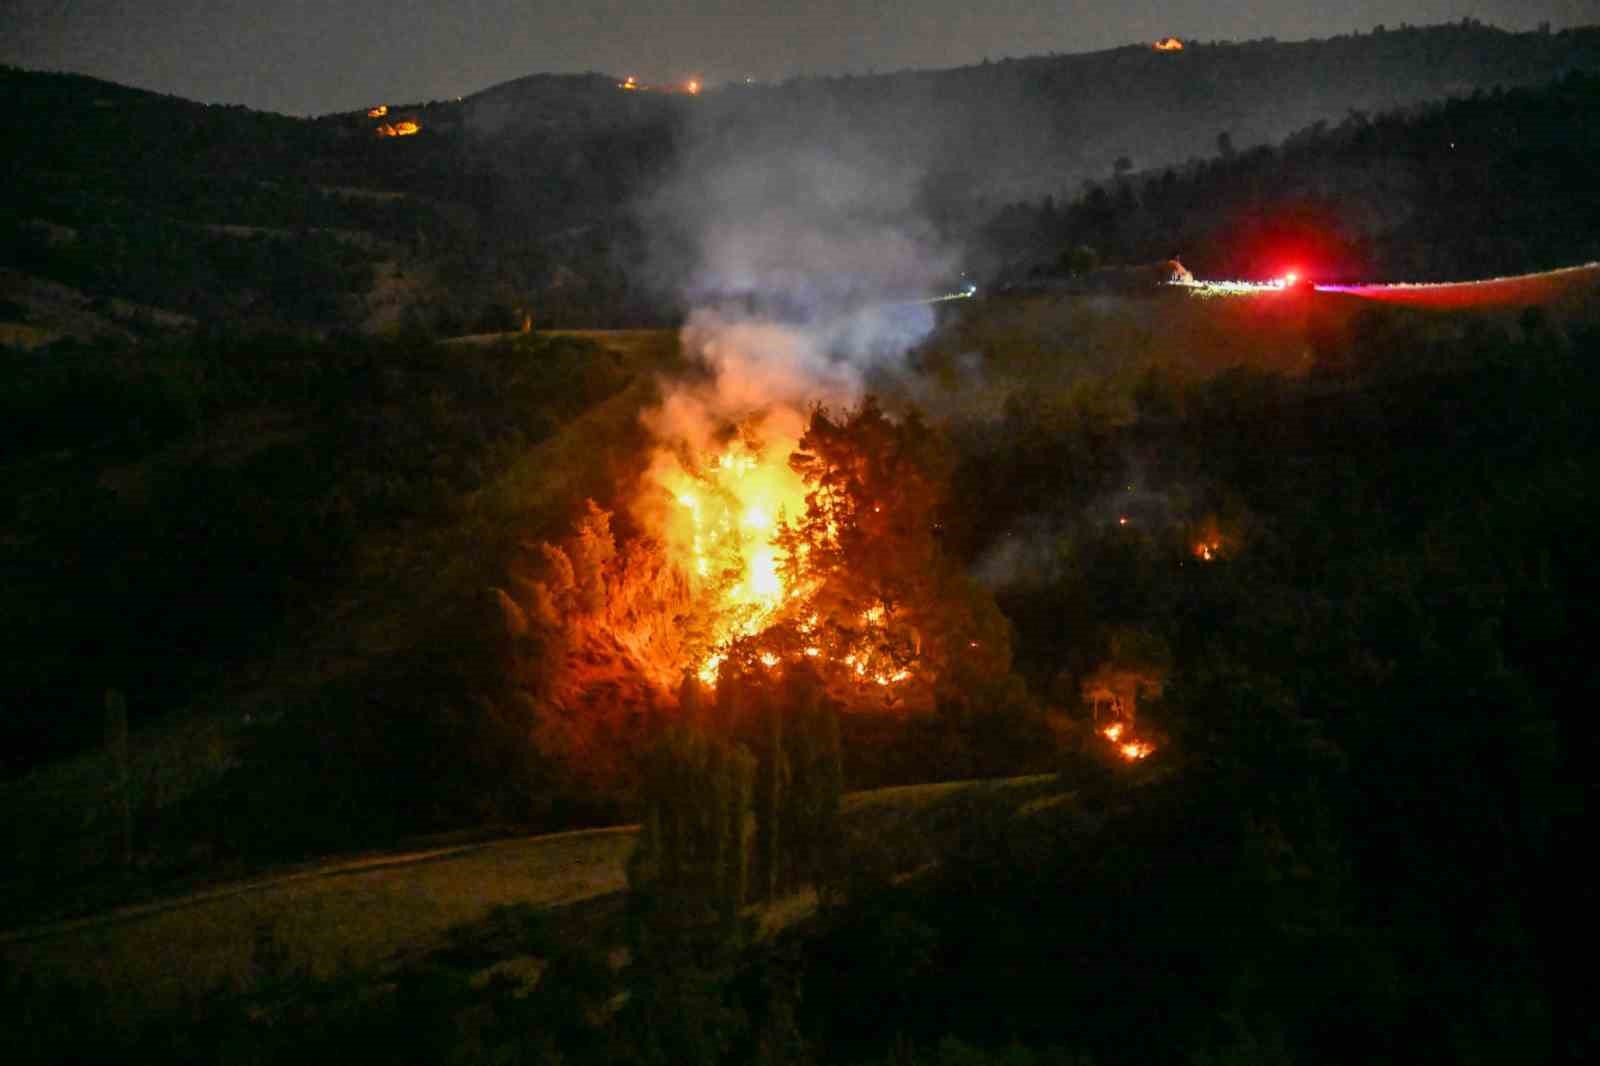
(1355,840)
(171,509)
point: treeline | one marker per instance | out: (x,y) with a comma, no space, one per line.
(1494,183)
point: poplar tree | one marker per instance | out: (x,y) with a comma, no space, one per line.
(688,875)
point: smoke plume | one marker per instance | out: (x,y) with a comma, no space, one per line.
(802,265)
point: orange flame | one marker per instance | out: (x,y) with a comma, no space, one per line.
(1127,746)
(1168,44)
(1208,543)
(398,129)
(721,528)
(379,111)
(628,83)
(721,531)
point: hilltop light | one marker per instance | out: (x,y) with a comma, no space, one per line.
(1168,44)
(693,88)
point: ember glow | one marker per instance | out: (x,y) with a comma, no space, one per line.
(379,111)
(399,129)
(1168,44)
(1119,734)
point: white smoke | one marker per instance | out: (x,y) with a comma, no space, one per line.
(806,265)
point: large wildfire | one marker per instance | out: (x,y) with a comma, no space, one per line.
(764,542)
(785,529)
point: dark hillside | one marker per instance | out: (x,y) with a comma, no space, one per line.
(1495,183)
(1043,124)
(279,551)
(523,198)
(177,512)
(1354,842)
(254,221)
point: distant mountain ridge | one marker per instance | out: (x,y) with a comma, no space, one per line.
(520,200)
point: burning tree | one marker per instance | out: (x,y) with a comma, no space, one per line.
(883,606)
(766,557)
(598,635)
(824,548)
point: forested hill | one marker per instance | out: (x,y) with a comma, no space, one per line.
(1043,124)
(138,213)
(1500,182)
(133,213)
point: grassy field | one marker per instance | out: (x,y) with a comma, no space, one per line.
(364,913)
(343,916)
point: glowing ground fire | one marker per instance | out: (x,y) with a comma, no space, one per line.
(1131,748)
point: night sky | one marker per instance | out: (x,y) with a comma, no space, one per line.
(316,56)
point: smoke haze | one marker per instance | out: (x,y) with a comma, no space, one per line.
(802,264)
